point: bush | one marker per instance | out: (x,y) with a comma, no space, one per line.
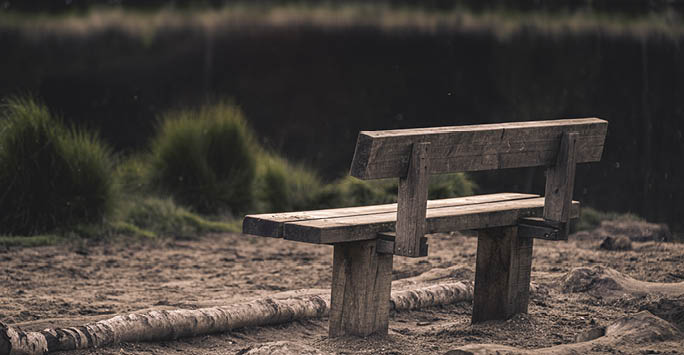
(591,218)
(282,186)
(205,159)
(350,191)
(132,174)
(450,185)
(51,177)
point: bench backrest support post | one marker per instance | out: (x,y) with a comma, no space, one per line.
(412,202)
(560,182)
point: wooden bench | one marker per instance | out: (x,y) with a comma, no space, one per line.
(366,238)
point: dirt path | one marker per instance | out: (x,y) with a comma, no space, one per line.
(75,284)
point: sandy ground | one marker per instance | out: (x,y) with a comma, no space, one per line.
(74,284)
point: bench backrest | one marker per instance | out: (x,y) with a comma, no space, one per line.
(384,154)
(413,154)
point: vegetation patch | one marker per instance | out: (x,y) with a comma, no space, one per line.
(591,218)
(153,217)
(205,159)
(283,186)
(30,241)
(203,172)
(53,177)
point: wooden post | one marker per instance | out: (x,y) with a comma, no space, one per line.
(361,287)
(412,202)
(560,181)
(502,274)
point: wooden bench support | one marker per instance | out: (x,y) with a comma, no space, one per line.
(502,274)
(361,287)
(412,203)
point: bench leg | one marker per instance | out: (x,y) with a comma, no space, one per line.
(502,274)
(361,286)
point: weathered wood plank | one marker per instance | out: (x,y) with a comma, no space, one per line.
(560,181)
(412,203)
(502,274)
(271,224)
(361,287)
(444,219)
(381,154)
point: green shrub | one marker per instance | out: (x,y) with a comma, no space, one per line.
(591,218)
(350,191)
(205,159)
(51,177)
(450,185)
(132,174)
(282,186)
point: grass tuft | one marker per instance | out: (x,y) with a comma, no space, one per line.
(205,159)
(283,186)
(51,176)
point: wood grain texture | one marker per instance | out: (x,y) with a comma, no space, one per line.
(560,181)
(361,287)
(502,274)
(382,154)
(271,224)
(412,203)
(444,219)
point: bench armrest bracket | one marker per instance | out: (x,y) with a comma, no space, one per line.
(386,243)
(540,228)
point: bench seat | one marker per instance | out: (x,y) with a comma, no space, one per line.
(363,223)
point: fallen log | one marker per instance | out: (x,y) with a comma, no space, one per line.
(640,328)
(174,324)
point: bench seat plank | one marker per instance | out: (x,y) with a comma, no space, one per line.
(271,224)
(439,219)
(381,154)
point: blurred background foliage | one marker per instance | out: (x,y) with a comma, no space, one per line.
(201,172)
